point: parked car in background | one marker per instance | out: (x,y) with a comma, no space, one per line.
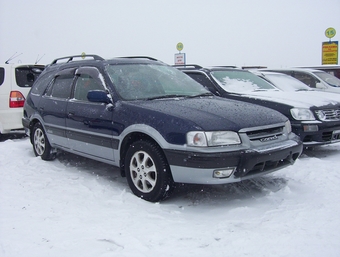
(329,68)
(15,82)
(316,79)
(315,119)
(287,83)
(155,123)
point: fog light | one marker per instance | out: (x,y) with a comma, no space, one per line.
(310,128)
(225,173)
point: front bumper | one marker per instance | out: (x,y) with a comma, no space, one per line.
(318,133)
(198,168)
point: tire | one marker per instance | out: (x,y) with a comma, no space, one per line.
(147,171)
(41,145)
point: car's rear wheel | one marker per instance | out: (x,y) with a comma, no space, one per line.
(147,171)
(41,145)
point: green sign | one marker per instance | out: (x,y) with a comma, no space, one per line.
(330,32)
(179,46)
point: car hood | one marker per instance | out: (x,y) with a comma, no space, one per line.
(321,95)
(210,113)
(301,99)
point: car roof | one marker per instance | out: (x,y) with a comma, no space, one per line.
(291,69)
(188,67)
(95,60)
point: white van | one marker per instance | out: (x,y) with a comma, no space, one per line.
(15,82)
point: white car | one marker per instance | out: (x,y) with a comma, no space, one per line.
(289,84)
(15,82)
(316,79)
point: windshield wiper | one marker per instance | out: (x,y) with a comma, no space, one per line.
(164,97)
(200,95)
(261,90)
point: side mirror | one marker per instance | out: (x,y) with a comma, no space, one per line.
(98,96)
(319,85)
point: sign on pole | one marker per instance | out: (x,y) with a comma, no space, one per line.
(330,52)
(179,46)
(330,32)
(180,57)
(330,49)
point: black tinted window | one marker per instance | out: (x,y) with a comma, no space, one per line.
(42,83)
(61,87)
(305,78)
(84,84)
(202,79)
(26,75)
(2,75)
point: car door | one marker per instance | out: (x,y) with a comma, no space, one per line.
(89,124)
(52,107)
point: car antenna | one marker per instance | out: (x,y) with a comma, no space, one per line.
(12,57)
(38,60)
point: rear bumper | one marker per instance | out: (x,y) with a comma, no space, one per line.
(10,120)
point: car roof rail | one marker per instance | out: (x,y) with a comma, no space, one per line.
(139,57)
(187,66)
(70,58)
(225,66)
(254,67)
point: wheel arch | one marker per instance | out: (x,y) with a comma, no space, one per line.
(31,125)
(127,141)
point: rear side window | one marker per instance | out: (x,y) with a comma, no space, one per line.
(26,75)
(2,76)
(61,87)
(204,80)
(306,78)
(42,83)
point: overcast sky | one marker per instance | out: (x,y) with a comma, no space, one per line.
(273,33)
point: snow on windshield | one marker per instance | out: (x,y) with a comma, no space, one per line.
(240,81)
(286,83)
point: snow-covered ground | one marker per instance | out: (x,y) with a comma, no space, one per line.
(78,207)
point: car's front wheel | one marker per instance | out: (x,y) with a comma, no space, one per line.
(147,171)
(41,145)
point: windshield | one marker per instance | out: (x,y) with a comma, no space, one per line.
(328,78)
(287,83)
(239,81)
(150,81)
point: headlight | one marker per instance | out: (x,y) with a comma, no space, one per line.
(288,126)
(302,114)
(215,138)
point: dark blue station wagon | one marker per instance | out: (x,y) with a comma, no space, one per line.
(155,123)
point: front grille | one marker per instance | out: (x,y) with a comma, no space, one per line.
(268,166)
(327,136)
(264,134)
(329,114)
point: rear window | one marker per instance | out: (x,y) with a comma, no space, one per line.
(26,75)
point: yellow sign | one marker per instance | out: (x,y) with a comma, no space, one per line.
(330,32)
(83,55)
(179,46)
(330,52)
